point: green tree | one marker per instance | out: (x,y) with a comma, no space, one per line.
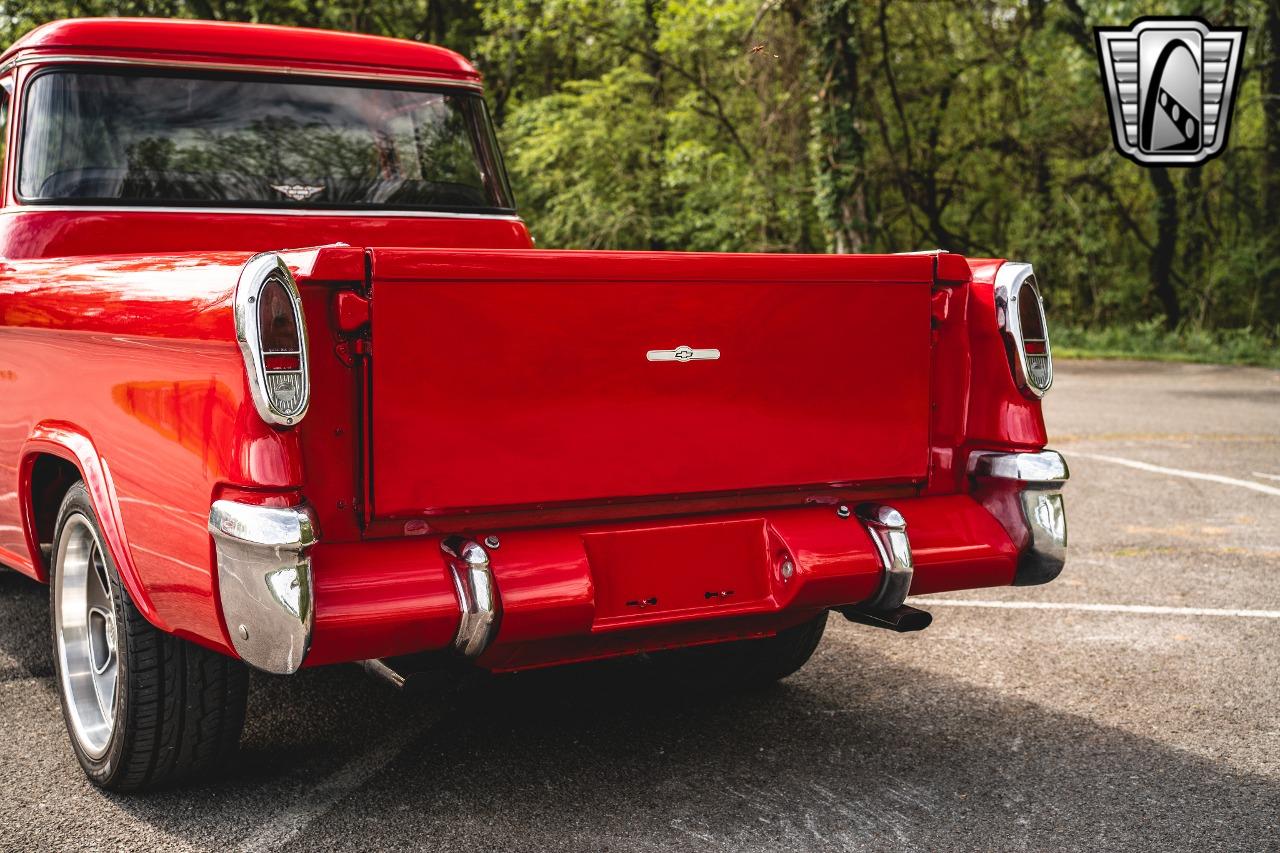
(851,125)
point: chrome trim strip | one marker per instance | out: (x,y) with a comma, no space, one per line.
(282,71)
(1046,467)
(477,594)
(888,531)
(264,581)
(1008,284)
(257,272)
(258,211)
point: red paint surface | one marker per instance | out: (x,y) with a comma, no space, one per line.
(27,231)
(564,590)
(209,41)
(513,379)
(500,380)
(380,599)
(999,416)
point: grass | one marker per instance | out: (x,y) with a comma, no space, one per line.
(1150,340)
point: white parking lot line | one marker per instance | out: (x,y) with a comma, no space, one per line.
(1178,472)
(288,822)
(1266,476)
(1144,609)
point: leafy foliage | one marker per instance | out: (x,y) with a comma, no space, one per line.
(1151,340)
(855,125)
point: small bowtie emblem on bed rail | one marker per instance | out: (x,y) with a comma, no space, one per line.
(683,354)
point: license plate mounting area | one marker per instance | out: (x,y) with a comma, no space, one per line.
(685,571)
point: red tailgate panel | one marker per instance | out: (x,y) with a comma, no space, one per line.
(518,379)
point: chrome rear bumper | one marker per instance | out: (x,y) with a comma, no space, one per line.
(264,581)
(1024,493)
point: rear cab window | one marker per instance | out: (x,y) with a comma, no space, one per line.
(108,136)
(6,90)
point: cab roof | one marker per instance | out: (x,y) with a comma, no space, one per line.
(227,43)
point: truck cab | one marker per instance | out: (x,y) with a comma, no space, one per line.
(286,384)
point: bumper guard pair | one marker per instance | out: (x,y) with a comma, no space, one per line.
(1023,491)
(267,595)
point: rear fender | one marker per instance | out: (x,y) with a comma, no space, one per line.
(1000,416)
(69,442)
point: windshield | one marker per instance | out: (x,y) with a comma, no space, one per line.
(105,136)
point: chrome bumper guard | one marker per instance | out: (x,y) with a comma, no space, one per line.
(477,594)
(264,581)
(888,531)
(1024,493)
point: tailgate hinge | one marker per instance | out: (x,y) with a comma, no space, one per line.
(352,313)
(353,317)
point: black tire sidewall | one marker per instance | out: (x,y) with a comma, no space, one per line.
(101,770)
(738,664)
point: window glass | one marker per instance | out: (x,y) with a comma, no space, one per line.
(108,136)
(6,86)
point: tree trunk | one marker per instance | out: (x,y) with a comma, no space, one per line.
(653,64)
(1162,254)
(1160,264)
(1270,302)
(1195,242)
(837,148)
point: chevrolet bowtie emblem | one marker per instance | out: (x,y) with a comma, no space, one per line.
(682,354)
(1170,85)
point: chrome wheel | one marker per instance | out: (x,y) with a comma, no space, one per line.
(85,628)
(144,709)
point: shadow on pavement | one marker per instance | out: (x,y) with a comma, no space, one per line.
(24,628)
(852,753)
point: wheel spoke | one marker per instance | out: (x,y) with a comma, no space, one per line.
(102,640)
(99,589)
(104,684)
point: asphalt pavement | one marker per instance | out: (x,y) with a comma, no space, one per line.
(1138,710)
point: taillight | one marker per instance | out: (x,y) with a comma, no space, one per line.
(273,339)
(1020,316)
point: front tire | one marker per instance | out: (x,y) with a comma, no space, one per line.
(144,709)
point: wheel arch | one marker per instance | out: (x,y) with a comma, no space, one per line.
(55,455)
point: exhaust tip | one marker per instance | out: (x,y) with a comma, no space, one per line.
(902,619)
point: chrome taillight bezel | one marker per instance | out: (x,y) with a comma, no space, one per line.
(1015,283)
(258,272)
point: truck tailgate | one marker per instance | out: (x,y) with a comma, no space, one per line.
(505,379)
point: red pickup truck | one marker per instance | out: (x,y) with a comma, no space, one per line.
(284,383)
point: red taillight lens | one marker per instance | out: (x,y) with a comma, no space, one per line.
(280,345)
(277,321)
(1035,337)
(1020,315)
(282,362)
(273,339)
